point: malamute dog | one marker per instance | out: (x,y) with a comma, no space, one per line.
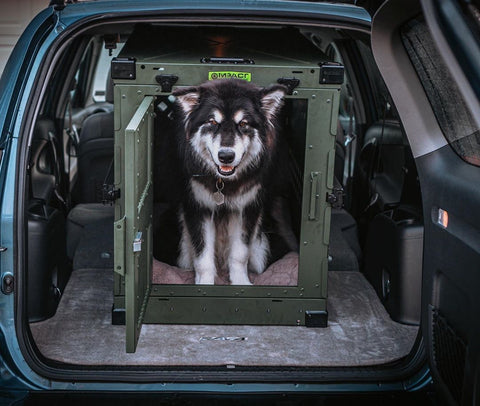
(227,145)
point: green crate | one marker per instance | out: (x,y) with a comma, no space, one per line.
(184,54)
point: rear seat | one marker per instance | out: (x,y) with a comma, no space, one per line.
(95,153)
(344,252)
(84,221)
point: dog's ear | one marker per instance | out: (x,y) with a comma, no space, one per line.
(272,100)
(187,99)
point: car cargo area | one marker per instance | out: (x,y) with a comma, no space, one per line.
(360,332)
(372,260)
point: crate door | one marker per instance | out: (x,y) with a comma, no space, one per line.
(138,201)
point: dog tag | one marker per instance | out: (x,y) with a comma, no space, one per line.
(219,197)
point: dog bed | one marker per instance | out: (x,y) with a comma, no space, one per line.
(283,272)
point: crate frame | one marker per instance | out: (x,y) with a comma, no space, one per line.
(304,304)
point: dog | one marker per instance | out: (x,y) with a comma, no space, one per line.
(227,146)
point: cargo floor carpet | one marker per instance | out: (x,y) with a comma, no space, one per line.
(360,332)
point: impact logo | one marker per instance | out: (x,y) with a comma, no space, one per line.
(230,75)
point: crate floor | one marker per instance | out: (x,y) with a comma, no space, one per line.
(360,332)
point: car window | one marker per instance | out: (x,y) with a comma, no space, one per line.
(101,72)
(449,107)
(381,96)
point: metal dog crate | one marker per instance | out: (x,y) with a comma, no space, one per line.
(152,63)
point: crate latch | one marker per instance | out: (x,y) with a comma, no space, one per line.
(290,83)
(166,82)
(335,198)
(137,242)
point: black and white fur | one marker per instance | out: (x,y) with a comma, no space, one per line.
(228,139)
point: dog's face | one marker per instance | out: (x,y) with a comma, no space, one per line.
(229,124)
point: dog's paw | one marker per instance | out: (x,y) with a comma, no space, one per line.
(204,279)
(240,280)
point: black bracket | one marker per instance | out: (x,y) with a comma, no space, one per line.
(118,316)
(316,318)
(166,82)
(331,73)
(123,68)
(290,83)
(335,198)
(111,41)
(58,5)
(109,194)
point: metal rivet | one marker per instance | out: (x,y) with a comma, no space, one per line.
(124,96)
(328,100)
(314,96)
(305,242)
(310,147)
(295,93)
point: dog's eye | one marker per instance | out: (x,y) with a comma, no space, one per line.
(243,123)
(212,121)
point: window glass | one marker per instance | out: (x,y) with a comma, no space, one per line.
(102,71)
(453,115)
(381,96)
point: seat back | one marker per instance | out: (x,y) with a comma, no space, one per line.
(95,152)
(95,158)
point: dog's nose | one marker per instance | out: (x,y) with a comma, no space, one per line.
(226,156)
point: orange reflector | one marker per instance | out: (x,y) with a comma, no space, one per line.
(443,218)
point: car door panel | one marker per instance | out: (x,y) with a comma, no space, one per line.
(434,111)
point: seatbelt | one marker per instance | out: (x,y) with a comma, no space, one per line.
(349,138)
(56,170)
(72,131)
(375,167)
(72,142)
(109,193)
